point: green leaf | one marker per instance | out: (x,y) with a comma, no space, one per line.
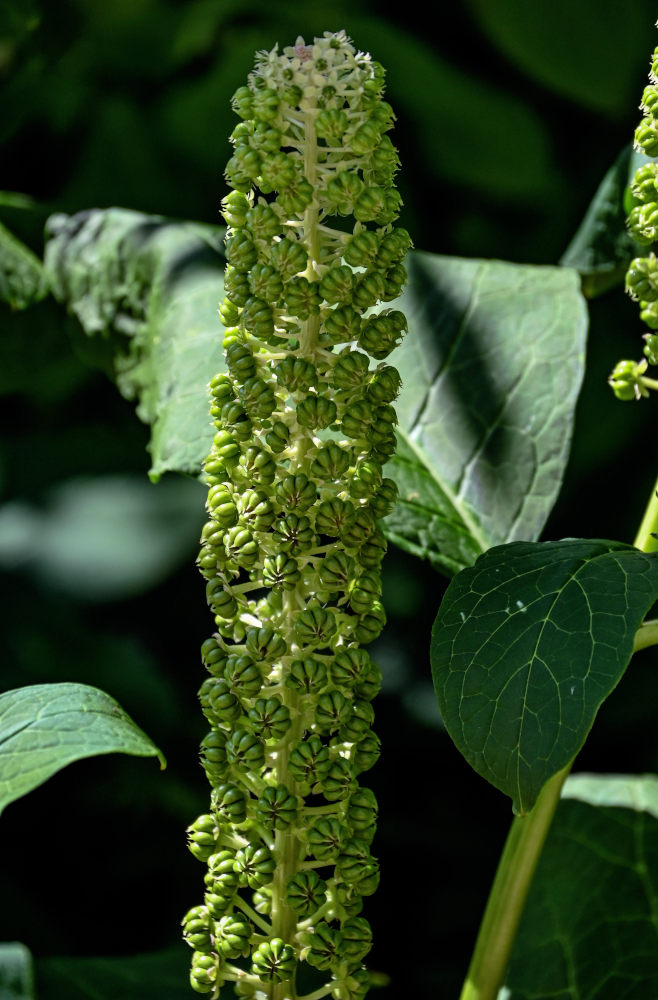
(22,279)
(590,52)
(160,975)
(601,249)
(491,369)
(44,727)
(16,974)
(589,928)
(156,283)
(527,645)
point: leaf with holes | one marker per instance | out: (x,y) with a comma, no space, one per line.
(527,645)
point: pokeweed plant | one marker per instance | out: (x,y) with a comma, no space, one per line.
(530,638)
(292,550)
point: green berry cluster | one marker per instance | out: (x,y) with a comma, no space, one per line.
(292,549)
(628,379)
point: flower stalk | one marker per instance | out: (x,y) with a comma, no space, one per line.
(292,549)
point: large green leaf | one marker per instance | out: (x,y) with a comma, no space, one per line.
(158,283)
(589,929)
(491,370)
(160,975)
(44,727)
(16,974)
(526,646)
(492,366)
(602,249)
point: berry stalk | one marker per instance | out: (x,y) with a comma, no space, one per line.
(292,549)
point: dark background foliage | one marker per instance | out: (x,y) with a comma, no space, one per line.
(508,116)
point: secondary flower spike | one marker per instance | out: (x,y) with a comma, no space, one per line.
(292,549)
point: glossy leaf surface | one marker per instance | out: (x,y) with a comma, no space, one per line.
(593,936)
(526,646)
(491,370)
(44,727)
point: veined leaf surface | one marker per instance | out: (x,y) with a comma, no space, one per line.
(594,936)
(44,727)
(491,369)
(527,645)
(492,366)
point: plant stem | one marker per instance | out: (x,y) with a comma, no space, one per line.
(526,839)
(508,894)
(645,539)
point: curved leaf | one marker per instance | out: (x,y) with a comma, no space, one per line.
(44,727)
(526,646)
(491,370)
(602,248)
(589,930)
(157,282)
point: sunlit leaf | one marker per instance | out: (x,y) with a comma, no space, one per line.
(491,370)
(527,645)
(44,727)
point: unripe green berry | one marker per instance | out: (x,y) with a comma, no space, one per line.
(274,961)
(235,207)
(196,929)
(270,717)
(243,675)
(305,892)
(232,936)
(334,516)
(264,644)
(331,462)
(229,799)
(296,374)
(277,807)
(202,837)
(254,866)
(308,676)
(321,947)
(262,222)
(361,249)
(316,412)
(244,750)
(309,761)
(265,283)
(324,839)
(331,711)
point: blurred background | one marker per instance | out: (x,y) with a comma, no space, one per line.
(508,117)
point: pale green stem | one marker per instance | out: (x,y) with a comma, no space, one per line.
(644,539)
(508,893)
(526,839)
(646,635)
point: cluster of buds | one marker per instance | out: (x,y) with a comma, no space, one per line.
(292,549)
(628,379)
